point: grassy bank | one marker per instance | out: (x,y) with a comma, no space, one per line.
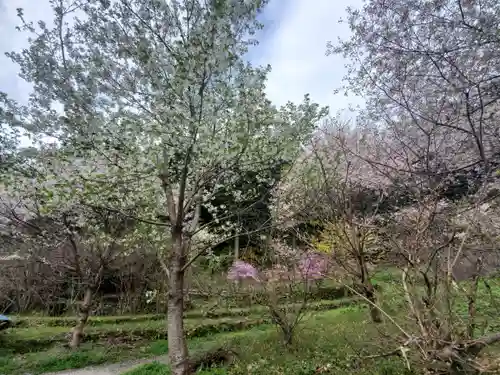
(330,339)
(38,345)
(329,342)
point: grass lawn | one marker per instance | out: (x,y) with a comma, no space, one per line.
(39,347)
(329,342)
(330,339)
(37,336)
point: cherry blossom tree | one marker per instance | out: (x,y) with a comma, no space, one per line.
(154,105)
(286,285)
(429,73)
(446,260)
(333,186)
(75,241)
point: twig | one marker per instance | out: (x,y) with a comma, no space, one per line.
(395,352)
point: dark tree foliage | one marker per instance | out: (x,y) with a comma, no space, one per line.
(252,214)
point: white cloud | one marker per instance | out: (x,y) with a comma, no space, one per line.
(296,51)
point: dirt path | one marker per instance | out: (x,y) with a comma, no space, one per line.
(111,369)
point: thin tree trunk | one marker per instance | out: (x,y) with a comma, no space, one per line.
(188,279)
(177,346)
(369,291)
(471,296)
(287,336)
(237,253)
(84,312)
(237,247)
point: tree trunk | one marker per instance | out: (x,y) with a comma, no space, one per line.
(177,346)
(188,279)
(369,291)
(287,335)
(237,254)
(84,312)
(237,247)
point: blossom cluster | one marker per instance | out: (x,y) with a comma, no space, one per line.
(311,266)
(241,270)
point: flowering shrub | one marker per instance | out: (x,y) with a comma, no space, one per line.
(311,266)
(288,279)
(241,270)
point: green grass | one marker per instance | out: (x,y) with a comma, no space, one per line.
(39,335)
(33,339)
(40,348)
(154,368)
(330,340)
(57,359)
(327,338)
(201,313)
(69,321)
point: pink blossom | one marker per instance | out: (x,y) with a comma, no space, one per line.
(242,270)
(313,266)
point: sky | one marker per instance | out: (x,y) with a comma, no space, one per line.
(293,42)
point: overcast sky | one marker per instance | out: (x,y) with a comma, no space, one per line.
(293,42)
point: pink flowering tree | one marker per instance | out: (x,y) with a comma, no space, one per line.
(241,270)
(312,266)
(285,287)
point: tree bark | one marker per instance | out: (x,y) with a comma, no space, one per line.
(84,312)
(374,311)
(287,336)
(177,346)
(237,247)
(237,254)
(84,309)
(369,290)
(188,279)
